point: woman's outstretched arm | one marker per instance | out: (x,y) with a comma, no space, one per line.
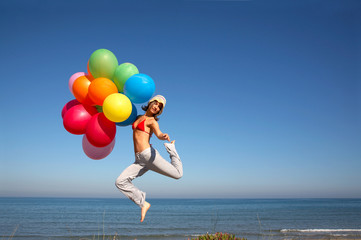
(154,126)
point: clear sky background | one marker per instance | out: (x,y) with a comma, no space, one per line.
(263,97)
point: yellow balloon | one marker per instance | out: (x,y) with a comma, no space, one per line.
(117,107)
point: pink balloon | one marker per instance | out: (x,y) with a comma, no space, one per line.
(69,105)
(76,118)
(73,78)
(97,153)
(100,131)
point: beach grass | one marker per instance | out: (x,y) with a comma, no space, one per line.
(218,236)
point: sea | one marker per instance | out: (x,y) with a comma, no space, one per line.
(179,219)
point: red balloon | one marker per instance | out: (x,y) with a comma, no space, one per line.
(97,153)
(69,105)
(100,131)
(76,118)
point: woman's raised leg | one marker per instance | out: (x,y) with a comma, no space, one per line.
(155,162)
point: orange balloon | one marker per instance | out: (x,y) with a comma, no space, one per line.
(100,88)
(80,90)
(89,75)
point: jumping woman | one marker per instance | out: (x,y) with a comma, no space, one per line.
(146,157)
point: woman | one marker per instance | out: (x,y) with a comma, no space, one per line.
(146,157)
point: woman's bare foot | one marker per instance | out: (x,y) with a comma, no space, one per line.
(170,147)
(145,208)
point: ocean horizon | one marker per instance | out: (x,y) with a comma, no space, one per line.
(33,218)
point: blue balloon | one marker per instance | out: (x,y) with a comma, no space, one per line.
(130,119)
(139,88)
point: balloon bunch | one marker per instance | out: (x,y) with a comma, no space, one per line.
(104,98)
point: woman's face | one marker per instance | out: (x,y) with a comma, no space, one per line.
(155,107)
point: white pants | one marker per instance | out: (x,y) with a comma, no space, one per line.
(149,159)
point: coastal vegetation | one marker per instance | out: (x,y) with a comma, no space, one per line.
(218,236)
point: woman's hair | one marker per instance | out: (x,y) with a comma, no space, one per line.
(145,108)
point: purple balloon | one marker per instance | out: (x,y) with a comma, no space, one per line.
(73,78)
(97,153)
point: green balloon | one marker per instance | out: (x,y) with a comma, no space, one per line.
(99,108)
(122,73)
(102,63)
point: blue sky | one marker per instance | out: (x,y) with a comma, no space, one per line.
(263,97)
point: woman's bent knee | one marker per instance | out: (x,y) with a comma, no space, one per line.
(178,176)
(120,183)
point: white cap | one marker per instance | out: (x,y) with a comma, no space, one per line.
(158,98)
